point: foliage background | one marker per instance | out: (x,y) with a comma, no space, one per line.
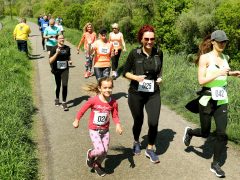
(180,24)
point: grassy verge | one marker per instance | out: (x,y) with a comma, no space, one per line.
(17,149)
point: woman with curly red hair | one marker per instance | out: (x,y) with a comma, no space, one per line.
(144,68)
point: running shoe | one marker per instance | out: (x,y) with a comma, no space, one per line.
(89,74)
(57,102)
(186,137)
(89,160)
(136,148)
(152,156)
(64,106)
(99,169)
(215,168)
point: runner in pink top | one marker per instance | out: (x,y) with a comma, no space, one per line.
(102,105)
(88,37)
(116,37)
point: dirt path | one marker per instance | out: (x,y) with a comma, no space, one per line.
(63,148)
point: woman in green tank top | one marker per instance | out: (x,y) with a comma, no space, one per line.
(213,70)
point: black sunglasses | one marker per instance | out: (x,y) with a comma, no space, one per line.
(147,39)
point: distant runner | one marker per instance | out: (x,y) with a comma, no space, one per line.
(116,37)
(88,38)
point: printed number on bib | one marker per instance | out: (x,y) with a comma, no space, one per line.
(115,43)
(218,93)
(104,50)
(100,118)
(146,86)
(61,64)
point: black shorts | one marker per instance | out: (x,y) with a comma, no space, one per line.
(49,48)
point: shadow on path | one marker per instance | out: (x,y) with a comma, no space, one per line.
(164,137)
(77,101)
(119,95)
(206,150)
(113,161)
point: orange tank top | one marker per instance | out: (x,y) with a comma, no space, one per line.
(89,38)
(103,53)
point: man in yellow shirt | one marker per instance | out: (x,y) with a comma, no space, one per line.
(21,33)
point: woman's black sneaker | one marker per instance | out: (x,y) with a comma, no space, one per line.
(215,168)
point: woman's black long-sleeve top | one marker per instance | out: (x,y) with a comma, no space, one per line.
(139,64)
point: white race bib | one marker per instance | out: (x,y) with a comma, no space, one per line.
(104,50)
(100,118)
(219,93)
(115,43)
(61,64)
(146,86)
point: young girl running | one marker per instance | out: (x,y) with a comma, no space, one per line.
(102,105)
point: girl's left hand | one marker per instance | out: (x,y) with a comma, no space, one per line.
(75,123)
(119,129)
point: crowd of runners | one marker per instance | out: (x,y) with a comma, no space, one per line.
(143,67)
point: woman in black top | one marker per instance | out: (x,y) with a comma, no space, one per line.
(143,67)
(59,61)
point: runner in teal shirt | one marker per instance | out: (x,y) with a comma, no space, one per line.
(51,33)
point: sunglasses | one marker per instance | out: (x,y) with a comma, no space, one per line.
(114,28)
(147,39)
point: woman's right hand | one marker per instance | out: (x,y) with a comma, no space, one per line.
(140,78)
(224,71)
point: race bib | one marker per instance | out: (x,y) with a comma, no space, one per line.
(146,86)
(45,25)
(61,64)
(104,50)
(100,118)
(115,43)
(218,93)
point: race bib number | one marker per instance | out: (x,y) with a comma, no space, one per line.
(146,86)
(104,50)
(115,43)
(61,64)
(100,118)
(45,25)
(219,93)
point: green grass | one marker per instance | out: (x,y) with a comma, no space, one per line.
(17,149)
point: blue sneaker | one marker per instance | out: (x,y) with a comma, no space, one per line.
(152,156)
(136,148)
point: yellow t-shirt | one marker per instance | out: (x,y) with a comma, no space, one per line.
(21,31)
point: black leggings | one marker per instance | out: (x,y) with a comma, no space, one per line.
(115,60)
(220,116)
(102,72)
(62,77)
(152,102)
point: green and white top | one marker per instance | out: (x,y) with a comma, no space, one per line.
(218,85)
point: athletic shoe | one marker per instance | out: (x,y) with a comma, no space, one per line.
(57,102)
(89,160)
(86,74)
(89,74)
(186,137)
(99,170)
(152,156)
(136,148)
(64,106)
(215,168)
